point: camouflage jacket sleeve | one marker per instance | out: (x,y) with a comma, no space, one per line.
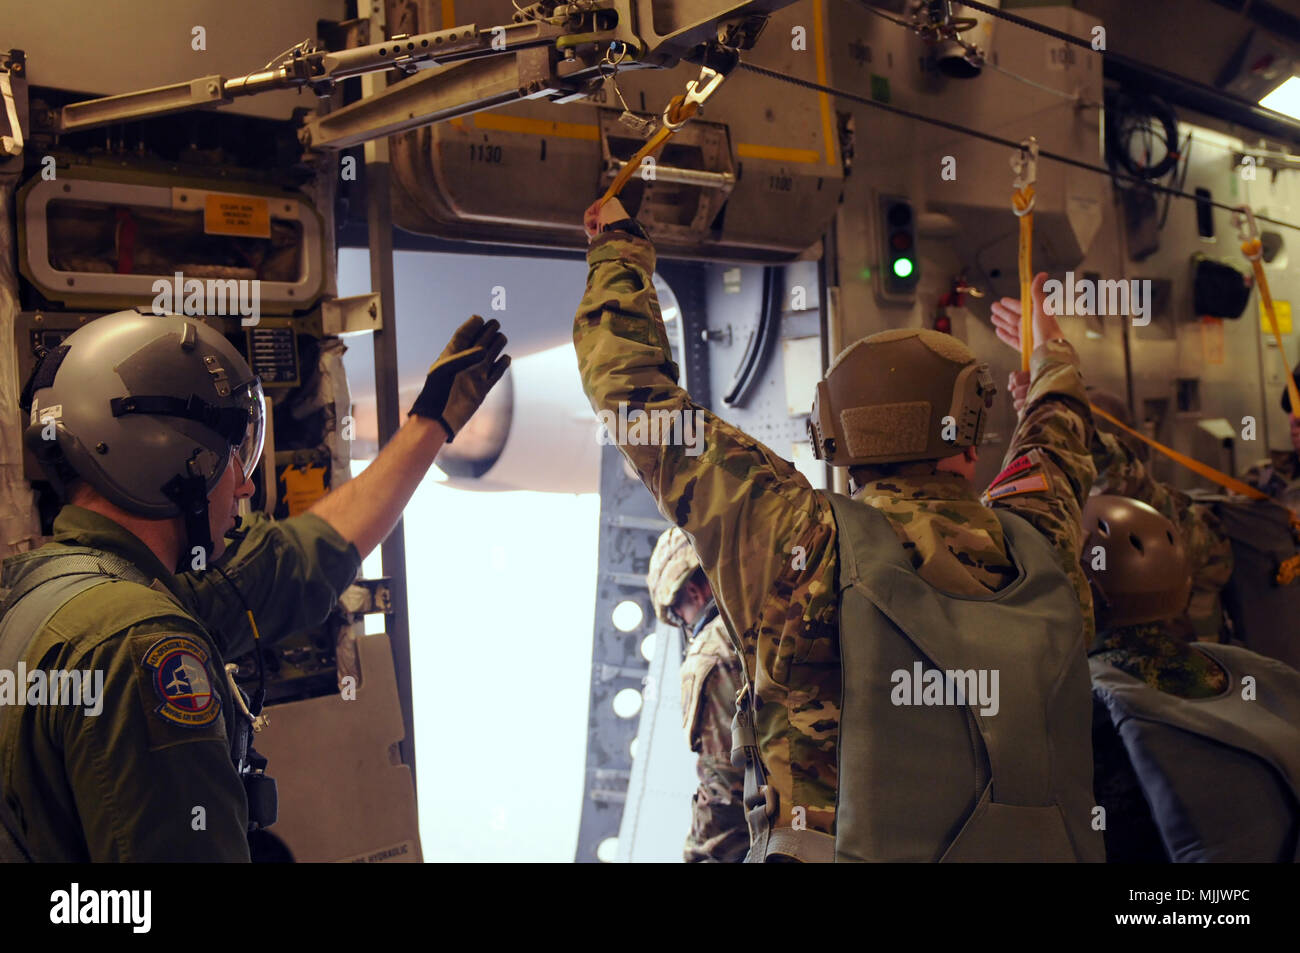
(290,571)
(765,537)
(1209,552)
(745,509)
(1055,432)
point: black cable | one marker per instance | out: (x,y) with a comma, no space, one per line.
(997,140)
(260,699)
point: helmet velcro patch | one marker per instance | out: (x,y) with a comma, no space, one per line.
(886,429)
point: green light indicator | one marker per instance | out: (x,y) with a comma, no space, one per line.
(903,267)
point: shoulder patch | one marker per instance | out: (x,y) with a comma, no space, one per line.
(178,671)
(1018,467)
(1033,483)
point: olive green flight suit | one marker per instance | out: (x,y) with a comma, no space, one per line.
(150,776)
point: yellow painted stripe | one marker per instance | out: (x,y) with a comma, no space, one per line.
(448,14)
(747,150)
(499,122)
(536,127)
(819,21)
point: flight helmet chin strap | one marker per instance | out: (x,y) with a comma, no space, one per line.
(190,494)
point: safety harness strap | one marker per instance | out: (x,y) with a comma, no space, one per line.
(81,568)
(805,846)
(760,799)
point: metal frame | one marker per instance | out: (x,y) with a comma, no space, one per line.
(57,285)
(379,218)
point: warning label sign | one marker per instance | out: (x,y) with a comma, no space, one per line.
(244,215)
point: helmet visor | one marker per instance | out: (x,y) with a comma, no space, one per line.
(248,451)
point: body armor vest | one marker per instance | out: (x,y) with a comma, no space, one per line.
(959,777)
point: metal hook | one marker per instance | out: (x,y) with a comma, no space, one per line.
(1025,163)
(698,92)
(1247,229)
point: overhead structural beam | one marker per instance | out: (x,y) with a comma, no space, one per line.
(204,92)
(433,96)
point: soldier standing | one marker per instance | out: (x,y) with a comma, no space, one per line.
(822,590)
(157,423)
(711,680)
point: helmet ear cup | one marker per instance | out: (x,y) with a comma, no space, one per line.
(49,453)
(36,443)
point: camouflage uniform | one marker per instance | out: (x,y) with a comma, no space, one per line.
(711,679)
(1279,477)
(1209,551)
(1155,653)
(768,541)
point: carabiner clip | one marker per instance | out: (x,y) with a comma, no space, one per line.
(705,86)
(1248,232)
(1025,165)
(698,92)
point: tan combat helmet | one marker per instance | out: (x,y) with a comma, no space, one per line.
(1147,576)
(885,400)
(671,564)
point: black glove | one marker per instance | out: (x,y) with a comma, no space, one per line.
(460,379)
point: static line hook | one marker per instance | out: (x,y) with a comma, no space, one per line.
(1247,232)
(1025,165)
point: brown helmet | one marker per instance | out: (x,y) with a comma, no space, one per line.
(885,400)
(672,564)
(1146,576)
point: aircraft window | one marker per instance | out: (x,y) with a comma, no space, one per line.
(671,311)
(628,616)
(648,647)
(1273,247)
(631,749)
(627,703)
(668,305)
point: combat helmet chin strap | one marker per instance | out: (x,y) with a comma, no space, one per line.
(190,494)
(707,613)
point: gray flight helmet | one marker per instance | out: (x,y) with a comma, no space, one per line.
(147,409)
